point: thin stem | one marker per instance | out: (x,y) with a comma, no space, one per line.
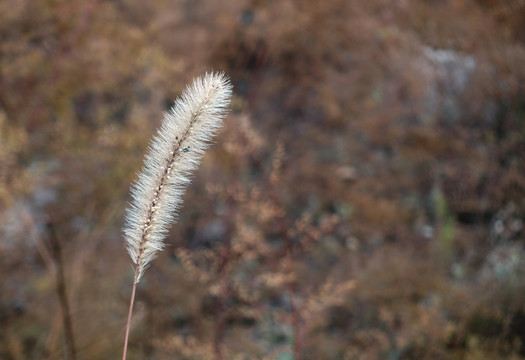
(128,325)
(69,339)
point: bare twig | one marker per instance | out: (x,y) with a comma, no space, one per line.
(56,250)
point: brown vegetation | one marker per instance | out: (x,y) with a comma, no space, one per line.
(365,199)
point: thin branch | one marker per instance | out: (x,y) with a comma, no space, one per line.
(69,339)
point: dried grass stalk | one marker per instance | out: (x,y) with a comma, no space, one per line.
(173,154)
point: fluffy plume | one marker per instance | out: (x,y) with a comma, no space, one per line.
(173,154)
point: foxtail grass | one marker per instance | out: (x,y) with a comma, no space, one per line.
(174,153)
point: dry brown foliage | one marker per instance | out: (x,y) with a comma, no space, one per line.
(365,200)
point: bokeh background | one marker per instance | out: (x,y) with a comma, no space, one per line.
(364,200)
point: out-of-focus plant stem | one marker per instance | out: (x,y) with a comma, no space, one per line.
(69,339)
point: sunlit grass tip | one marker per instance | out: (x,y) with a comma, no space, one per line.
(173,154)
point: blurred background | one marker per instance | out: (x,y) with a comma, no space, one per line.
(364,200)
